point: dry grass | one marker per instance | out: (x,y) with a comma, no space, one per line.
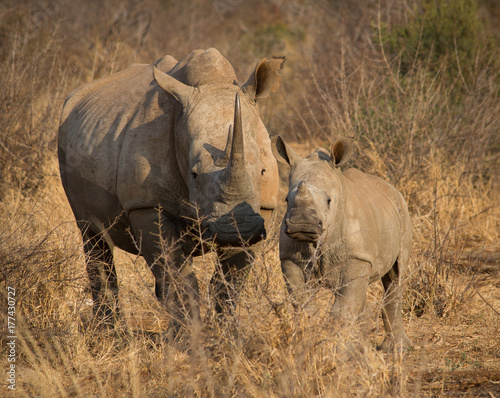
(437,144)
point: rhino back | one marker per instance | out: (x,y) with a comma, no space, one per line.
(104,125)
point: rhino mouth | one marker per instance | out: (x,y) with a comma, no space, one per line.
(303,231)
(239,227)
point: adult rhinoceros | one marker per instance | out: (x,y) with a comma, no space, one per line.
(146,152)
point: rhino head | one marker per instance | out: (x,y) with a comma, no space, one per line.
(222,147)
(315,201)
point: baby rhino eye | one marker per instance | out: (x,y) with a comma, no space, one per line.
(262,172)
(328,202)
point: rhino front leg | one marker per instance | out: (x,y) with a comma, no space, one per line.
(228,278)
(391,312)
(297,258)
(176,286)
(350,296)
(299,288)
(294,278)
(102,275)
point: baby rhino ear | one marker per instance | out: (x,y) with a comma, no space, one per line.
(341,151)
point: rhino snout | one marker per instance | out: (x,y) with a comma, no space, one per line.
(304,230)
(240,225)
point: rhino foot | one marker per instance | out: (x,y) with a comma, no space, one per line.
(389,344)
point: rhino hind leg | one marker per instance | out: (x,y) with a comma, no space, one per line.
(102,275)
(395,336)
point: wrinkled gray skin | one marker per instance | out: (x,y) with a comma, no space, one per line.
(346,229)
(148,150)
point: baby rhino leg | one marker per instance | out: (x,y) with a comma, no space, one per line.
(351,290)
(302,291)
(395,335)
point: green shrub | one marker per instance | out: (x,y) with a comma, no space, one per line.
(442,35)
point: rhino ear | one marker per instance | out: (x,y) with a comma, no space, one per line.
(266,78)
(283,152)
(342,150)
(180,91)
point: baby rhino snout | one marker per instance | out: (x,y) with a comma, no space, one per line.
(302,221)
(303,226)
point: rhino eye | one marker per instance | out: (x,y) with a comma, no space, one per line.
(194,175)
(262,172)
(328,202)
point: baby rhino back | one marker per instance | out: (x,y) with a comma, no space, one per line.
(377,221)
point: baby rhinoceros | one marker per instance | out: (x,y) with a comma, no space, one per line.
(346,230)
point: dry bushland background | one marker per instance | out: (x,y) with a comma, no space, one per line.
(416,83)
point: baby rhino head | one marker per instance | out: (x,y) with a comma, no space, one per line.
(315,200)
(304,219)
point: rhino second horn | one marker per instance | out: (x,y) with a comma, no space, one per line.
(224,159)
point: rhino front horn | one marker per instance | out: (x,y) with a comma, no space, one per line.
(237,149)
(237,157)
(235,177)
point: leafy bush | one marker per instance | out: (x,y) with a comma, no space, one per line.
(446,36)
